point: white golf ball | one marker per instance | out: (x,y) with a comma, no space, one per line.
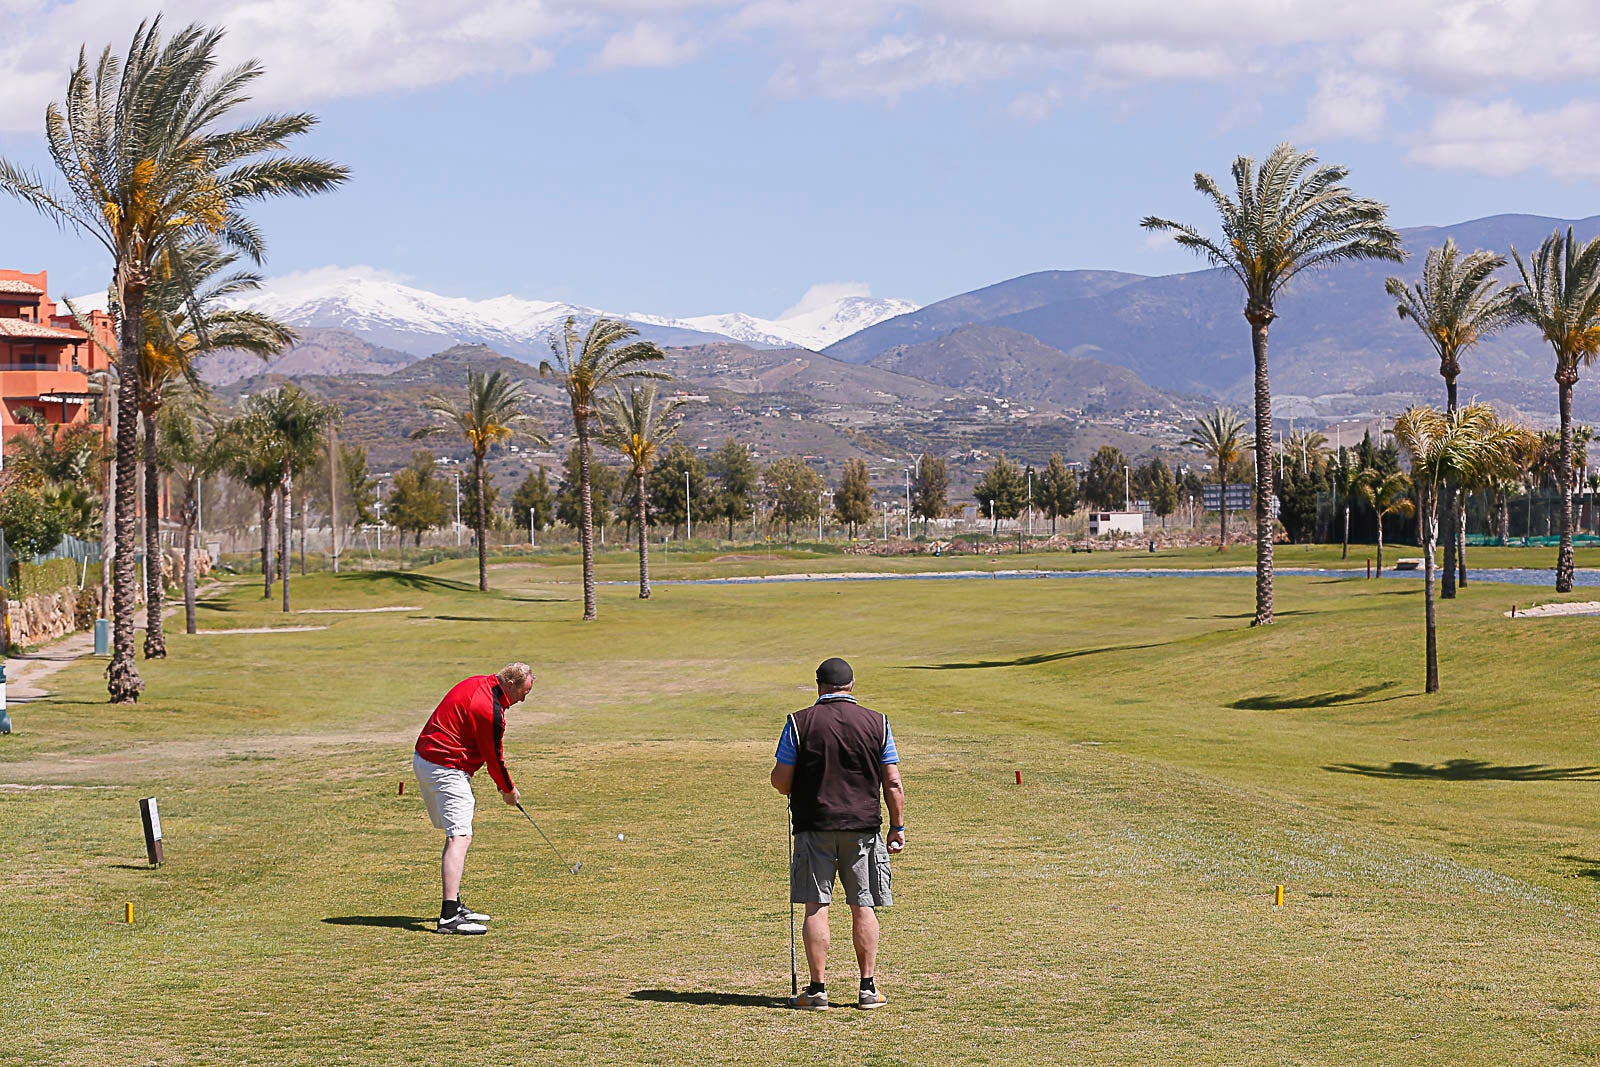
(619,837)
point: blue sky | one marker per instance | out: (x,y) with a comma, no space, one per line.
(685,157)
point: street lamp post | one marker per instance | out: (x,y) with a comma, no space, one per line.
(821,496)
(1030,501)
(531,519)
(458,508)
(688,510)
(1127,489)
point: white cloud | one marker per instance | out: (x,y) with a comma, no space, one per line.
(892,66)
(1346,105)
(645,45)
(1501,139)
(824,293)
(1037,106)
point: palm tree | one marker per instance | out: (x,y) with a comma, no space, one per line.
(251,455)
(1560,296)
(1290,215)
(586,365)
(1455,304)
(187,438)
(1467,446)
(1307,449)
(492,414)
(295,422)
(147,167)
(1222,437)
(1386,495)
(184,319)
(637,426)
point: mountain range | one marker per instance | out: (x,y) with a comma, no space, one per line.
(408,319)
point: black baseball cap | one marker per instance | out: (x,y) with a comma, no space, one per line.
(835,673)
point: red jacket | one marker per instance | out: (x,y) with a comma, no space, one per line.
(466,729)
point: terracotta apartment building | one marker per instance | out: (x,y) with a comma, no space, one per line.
(45,358)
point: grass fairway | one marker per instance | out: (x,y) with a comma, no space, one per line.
(1439,852)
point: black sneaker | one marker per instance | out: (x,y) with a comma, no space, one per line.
(460,924)
(468,914)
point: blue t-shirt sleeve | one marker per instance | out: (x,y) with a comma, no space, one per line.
(788,752)
(890,753)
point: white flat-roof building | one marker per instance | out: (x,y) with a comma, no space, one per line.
(1107,522)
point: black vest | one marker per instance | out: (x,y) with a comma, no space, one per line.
(839,773)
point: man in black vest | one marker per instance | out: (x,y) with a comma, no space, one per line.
(833,760)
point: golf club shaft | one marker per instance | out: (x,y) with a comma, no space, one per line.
(794,968)
(546,837)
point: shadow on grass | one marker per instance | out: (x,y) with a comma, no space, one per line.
(1026,661)
(214,604)
(392,922)
(539,599)
(460,618)
(133,867)
(1587,867)
(1251,615)
(422,583)
(1470,770)
(726,1000)
(1314,700)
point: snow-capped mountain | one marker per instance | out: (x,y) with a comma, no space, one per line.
(391,313)
(815,329)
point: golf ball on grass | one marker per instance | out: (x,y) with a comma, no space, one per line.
(619,837)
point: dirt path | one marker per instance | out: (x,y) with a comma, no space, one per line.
(25,674)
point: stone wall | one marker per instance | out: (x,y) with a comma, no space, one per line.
(36,620)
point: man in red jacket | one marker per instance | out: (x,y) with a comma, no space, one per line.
(464,733)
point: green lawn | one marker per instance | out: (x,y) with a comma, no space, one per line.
(1439,853)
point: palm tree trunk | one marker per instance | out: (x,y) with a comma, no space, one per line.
(480,523)
(266,542)
(189,517)
(1223,511)
(122,675)
(1564,486)
(286,505)
(1461,547)
(303,503)
(1505,517)
(1431,526)
(586,526)
(108,503)
(644,551)
(155,580)
(1346,553)
(1380,544)
(1264,483)
(1448,509)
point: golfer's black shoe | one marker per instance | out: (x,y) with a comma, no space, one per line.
(460,924)
(468,914)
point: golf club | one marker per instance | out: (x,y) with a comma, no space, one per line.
(573,867)
(794,970)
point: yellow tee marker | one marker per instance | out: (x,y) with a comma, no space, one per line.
(1277,900)
(128,912)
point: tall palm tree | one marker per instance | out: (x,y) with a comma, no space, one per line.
(1307,449)
(1467,446)
(184,319)
(295,423)
(1221,436)
(586,364)
(1386,495)
(1456,303)
(491,414)
(147,165)
(637,426)
(1289,215)
(1560,296)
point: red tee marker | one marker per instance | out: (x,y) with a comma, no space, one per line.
(1019,777)
(402,790)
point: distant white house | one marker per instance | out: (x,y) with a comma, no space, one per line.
(1106,522)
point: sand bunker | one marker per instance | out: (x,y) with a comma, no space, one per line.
(264,630)
(352,611)
(1587,607)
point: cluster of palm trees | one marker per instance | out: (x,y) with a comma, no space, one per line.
(148,168)
(1291,214)
(592,365)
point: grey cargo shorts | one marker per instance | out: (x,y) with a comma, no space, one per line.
(860,860)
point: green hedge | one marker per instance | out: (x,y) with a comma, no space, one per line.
(46,577)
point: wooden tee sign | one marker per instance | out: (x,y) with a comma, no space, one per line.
(152,830)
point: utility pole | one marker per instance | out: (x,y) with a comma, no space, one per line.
(458,509)
(1030,501)
(916,464)
(333,498)
(821,496)
(1127,490)
(688,512)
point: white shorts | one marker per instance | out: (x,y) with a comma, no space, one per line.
(447,792)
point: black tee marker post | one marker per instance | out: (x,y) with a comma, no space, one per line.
(152,830)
